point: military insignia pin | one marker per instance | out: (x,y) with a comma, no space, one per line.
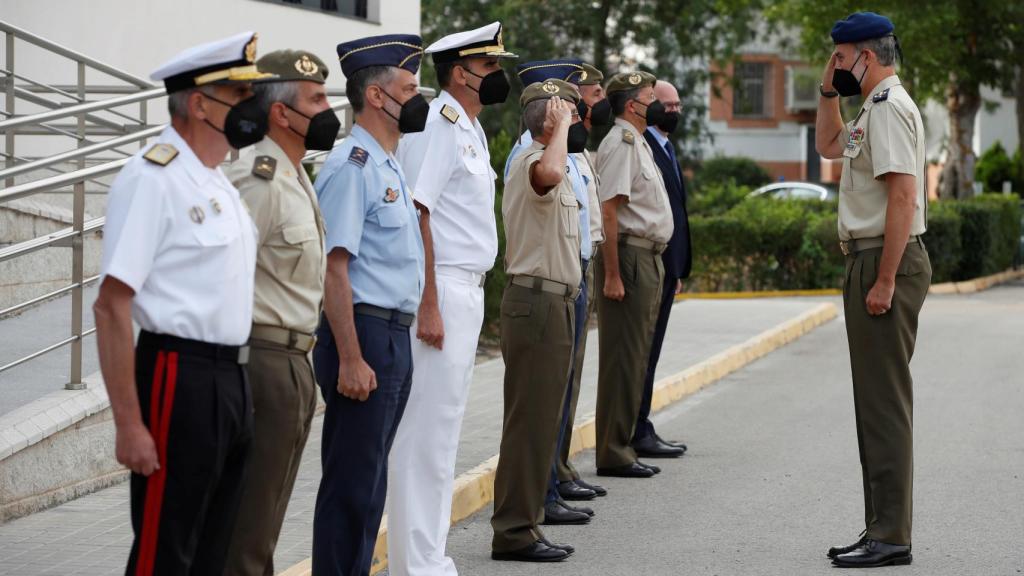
(215,205)
(391,195)
(583,75)
(305,66)
(250,50)
(196,214)
(550,88)
(634,79)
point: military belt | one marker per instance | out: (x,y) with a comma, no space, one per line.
(545,285)
(295,340)
(189,347)
(403,318)
(472,278)
(638,242)
(851,247)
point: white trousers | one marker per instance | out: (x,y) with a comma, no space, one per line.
(422,461)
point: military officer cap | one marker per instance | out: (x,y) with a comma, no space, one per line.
(482,42)
(861,26)
(221,61)
(289,65)
(590,75)
(398,50)
(630,81)
(547,89)
(568,69)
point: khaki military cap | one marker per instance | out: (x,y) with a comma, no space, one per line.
(630,81)
(590,76)
(290,65)
(547,89)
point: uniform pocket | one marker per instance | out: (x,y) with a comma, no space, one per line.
(392,217)
(298,242)
(570,214)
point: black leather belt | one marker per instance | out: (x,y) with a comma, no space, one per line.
(403,318)
(215,352)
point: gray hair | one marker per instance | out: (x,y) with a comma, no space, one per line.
(356,85)
(267,93)
(884,49)
(533,116)
(177,102)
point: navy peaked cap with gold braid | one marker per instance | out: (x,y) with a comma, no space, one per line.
(398,50)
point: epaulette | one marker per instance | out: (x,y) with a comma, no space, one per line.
(450,114)
(881,96)
(264,167)
(161,154)
(358,156)
(628,137)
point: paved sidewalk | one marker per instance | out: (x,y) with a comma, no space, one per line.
(772,478)
(92,535)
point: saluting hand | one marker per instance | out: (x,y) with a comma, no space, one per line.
(826,78)
(879,299)
(135,449)
(558,112)
(356,379)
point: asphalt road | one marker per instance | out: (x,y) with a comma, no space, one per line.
(772,477)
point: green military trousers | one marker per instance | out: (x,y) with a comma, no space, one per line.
(625,333)
(537,346)
(566,471)
(883,396)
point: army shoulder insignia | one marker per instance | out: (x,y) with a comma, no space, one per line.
(628,137)
(264,167)
(390,195)
(450,114)
(881,96)
(358,156)
(161,154)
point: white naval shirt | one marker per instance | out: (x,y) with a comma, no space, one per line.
(180,237)
(448,166)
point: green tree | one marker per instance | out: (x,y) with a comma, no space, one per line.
(952,48)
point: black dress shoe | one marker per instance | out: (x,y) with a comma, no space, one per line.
(556,514)
(582,509)
(652,447)
(567,547)
(599,489)
(536,552)
(873,554)
(671,442)
(837,550)
(570,490)
(650,467)
(631,470)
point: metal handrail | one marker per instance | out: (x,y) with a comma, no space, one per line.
(83,152)
(73,55)
(82,108)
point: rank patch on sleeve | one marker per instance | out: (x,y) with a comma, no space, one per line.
(358,156)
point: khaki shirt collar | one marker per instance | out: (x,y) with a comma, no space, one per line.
(629,126)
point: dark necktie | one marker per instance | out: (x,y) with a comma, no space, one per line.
(675,163)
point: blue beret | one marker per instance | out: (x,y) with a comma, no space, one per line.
(398,50)
(567,69)
(861,26)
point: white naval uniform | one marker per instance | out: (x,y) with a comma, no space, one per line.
(180,237)
(448,166)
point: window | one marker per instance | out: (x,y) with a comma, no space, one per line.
(352,8)
(752,92)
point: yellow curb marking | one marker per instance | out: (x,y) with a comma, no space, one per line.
(475,489)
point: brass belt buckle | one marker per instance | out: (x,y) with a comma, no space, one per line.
(845,247)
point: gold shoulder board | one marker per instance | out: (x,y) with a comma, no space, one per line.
(450,114)
(264,167)
(161,154)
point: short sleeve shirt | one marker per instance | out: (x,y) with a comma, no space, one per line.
(585,163)
(448,167)
(290,261)
(368,211)
(542,236)
(179,236)
(626,167)
(886,136)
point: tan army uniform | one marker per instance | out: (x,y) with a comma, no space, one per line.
(542,257)
(290,266)
(627,168)
(886,137)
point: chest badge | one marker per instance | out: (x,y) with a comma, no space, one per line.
(471,150)
(215,205)
(390,195)
(196,214)
(856,138)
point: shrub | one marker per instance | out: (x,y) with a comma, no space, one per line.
(995,167)
(716,198)
(942,240)
(738,170)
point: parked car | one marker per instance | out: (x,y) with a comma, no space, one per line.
(797,191)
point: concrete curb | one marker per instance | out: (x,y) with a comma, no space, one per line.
(474,489)
(977,284)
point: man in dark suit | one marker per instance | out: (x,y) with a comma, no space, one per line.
(677,259)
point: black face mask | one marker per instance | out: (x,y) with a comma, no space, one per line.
(601,113)
(493,88)
(413,117)
(845,82)
(322,130)
(670,122)
(577,140)
(245,124)
(655,112)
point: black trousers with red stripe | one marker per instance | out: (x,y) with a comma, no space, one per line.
(199,410)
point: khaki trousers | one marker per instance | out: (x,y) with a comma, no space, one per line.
(880,351)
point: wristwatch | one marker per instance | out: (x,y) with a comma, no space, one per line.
(829,94)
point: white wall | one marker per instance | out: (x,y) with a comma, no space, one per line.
(999,125)
(781,144)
